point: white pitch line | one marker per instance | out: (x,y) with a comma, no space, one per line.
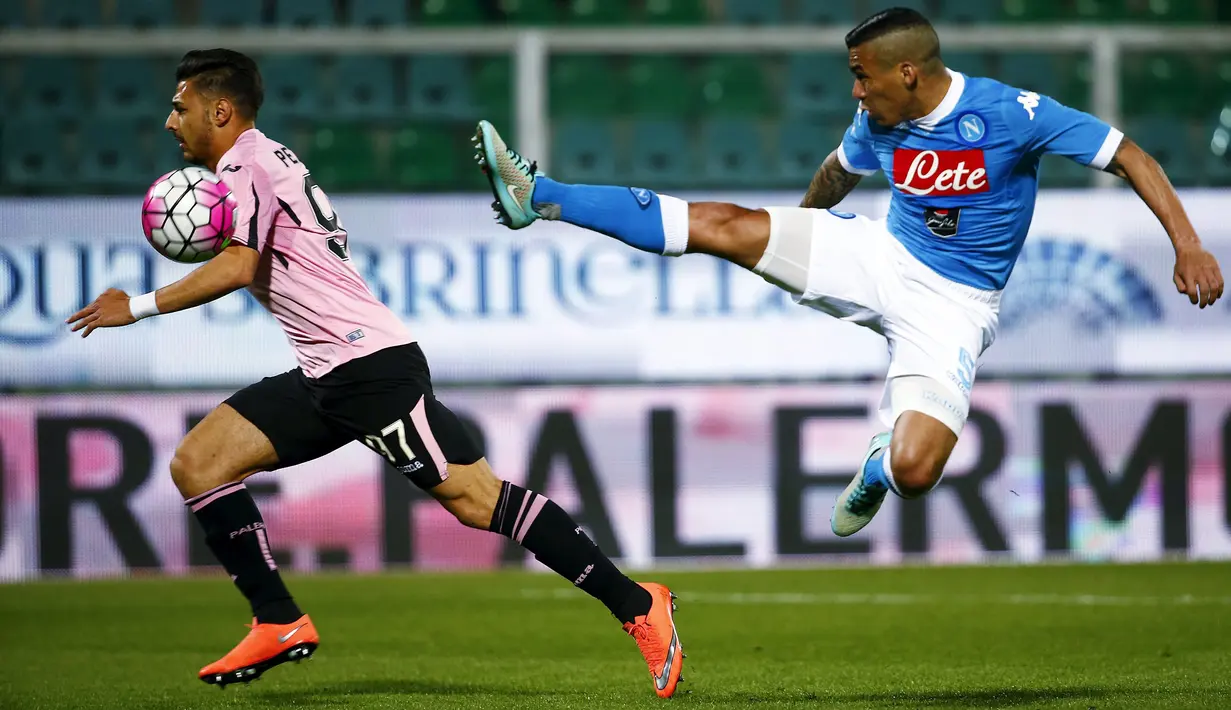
(808,599)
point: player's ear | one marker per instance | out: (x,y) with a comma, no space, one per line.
(224,112)
(909,74)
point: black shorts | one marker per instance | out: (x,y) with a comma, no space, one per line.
(383,399)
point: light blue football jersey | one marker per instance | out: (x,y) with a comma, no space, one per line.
(965,177)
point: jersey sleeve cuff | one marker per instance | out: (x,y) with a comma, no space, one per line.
(1108,151)
(846,164)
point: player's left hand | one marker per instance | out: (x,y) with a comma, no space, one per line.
(111,310)
(1197,274)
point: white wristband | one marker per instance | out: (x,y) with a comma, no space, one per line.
(143,306)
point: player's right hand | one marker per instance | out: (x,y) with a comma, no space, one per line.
(1197,274)
(107,311)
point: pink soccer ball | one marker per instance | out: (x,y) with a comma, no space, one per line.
(189,215)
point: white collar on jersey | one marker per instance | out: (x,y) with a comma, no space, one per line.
(947,104)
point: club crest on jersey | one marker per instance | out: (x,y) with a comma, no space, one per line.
(971,128)
(939,173)
(942,222)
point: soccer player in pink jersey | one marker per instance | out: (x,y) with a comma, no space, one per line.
(361,375)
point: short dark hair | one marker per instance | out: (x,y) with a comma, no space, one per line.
(882,23)
(227,73)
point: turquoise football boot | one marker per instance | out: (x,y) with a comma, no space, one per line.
(858,504)
(511,178)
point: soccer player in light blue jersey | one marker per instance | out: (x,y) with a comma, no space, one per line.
(962,154)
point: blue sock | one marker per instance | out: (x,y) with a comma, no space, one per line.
(631,214)
(874,471)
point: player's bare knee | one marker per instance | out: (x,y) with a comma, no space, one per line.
(189,472)
(916,467)
(181,469)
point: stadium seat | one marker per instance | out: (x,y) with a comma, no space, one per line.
(598,13)
(378,13)
(303,13)
(733,153)
(661,86)
(967,11)
(452,12)
(163,154)
(584,85)
(735,85)
(1060,172)
(1032,71)
(292,85)
(32,154)
(1216,171)
(1100,10)
(342,157)
(281,130)
(439,87)
(1159,82)
(584,151)
(1216,92)
(819,83)
(829,12)
(530,12)
(1063,76)
(229,13)
(675,12)
(917,5)
(493,89)
(110,156)
(1215,147)
(1167,139)
(803,144)
(1172,11)
(363,87)
(130,86)
(968,63)
(1216,150)
(70,14)
(12,14)
(425,156)
(661,155)
(753,12)
(49,87)
(1033,10)
(1076,73)
(144,14)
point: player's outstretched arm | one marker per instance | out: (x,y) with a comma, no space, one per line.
(1196,270)
(830,184)
(231,270)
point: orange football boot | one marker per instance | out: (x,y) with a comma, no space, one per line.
(265,646)
(658,641)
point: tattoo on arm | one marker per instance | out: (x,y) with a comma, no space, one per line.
(830,184)
(1116,167)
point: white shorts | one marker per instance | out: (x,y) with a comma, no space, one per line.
(852,268)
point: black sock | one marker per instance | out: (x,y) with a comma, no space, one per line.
(543,528)
(235,532)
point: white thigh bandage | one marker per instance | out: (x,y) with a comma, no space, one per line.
(786,258)
(928,396)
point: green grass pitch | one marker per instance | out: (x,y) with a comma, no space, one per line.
(1082,636)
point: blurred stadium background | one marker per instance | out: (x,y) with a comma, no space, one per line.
(665,397)
(687,414)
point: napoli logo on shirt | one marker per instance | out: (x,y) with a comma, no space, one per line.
(971,128)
